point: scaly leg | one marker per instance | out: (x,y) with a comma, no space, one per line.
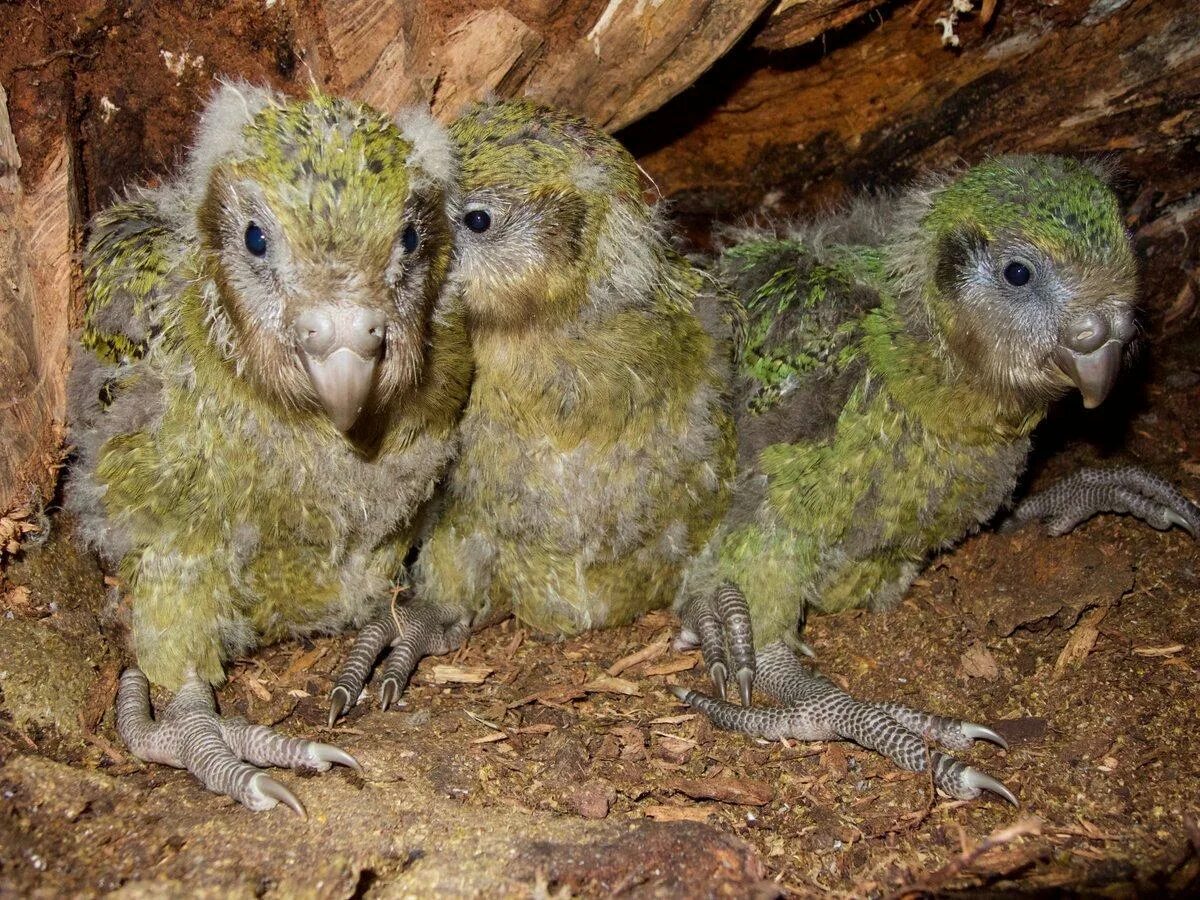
(222,752)
(1125,489)
(720,626)
(818,710)
(413,631)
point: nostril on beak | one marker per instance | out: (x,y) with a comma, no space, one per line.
(315,332)
(367,331)
(1087,333)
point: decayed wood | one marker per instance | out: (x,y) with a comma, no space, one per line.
(34,288)
(614,63)
(796,22)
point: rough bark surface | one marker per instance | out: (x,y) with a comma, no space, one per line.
(35,274)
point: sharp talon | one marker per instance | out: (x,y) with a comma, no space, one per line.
(268,787)
(807,650)
(976,779)
(1176,519)
(388,694)
(745,680)
(681,693)
(330,754)
(980,733)
(339,702)
(718,673)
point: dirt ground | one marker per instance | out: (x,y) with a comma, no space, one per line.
(569,770)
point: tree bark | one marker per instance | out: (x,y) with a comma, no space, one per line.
(35,271)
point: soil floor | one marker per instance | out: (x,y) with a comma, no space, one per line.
(569,769)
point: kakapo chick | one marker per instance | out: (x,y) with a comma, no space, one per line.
(898,358)
(597,446)
(266,395)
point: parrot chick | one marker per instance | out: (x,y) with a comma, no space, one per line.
(597,445)
(898,358)
(266,396)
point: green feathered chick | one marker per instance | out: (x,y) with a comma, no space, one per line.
(267,394)
(597,445)
(898,357)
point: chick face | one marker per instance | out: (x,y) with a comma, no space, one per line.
(327,242)
(1033,277)
(537,188)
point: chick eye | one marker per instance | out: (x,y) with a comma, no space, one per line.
(478,220)
(410,239)
(1017,274)
(256,241)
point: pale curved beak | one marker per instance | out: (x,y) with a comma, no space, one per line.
(1090,351)
(340,348)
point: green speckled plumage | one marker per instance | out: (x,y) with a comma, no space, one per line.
(233,509)
(886,407)
(597,446)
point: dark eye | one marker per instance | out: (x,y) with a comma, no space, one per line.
(478,220)
(1017,274)
(410,239)
(256,241)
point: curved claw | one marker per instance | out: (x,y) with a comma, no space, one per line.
(982,733)
(1176,519)
(389,693)
(806,650)
(339,703)
(973,778)
(745,680)
(327,753)
(718,673)
(266,786)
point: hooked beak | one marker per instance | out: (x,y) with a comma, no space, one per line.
(1089,353)
(340,348)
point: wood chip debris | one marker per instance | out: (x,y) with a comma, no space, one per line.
(1082,640)
(256,687)
(742,791)
(606,684)
(306,661)
(1170,650)
(671,666)
(492,738)
(663,813)
(978,662)
(647,653)
(447,674)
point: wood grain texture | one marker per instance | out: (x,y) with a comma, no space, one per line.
(35,270)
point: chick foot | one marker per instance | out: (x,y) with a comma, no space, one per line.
(1125,489)
(818,710)
(223,753)
(720,626)
(413,631)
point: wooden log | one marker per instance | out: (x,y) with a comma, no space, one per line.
(794,23)
(35,272)
(613,63)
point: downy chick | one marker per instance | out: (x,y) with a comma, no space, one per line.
(267,393)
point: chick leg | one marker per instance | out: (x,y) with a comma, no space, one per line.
(413,631)
(223,753)
(1125,489)
(720,626)
(818,710)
